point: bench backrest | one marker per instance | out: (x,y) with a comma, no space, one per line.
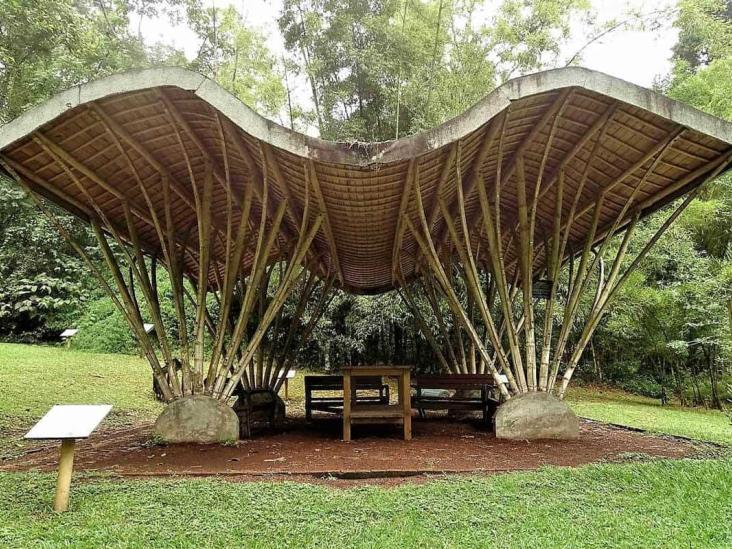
(335,383)
(453,381)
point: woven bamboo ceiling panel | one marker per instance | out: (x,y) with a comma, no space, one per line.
(135,139)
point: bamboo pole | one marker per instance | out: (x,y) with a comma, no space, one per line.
(286,356)
(526,275)
(278,300)
(136,266)
(431,295)
(409,300)
(498,274)
(616,281)
(553,266)
(412,175)
(444,176)
(429,252)
(427,248)
(476,173)
(151,293)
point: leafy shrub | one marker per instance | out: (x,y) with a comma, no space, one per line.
(42,281)
(643,386)
(104,329)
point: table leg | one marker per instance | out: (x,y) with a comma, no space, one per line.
(406,400)
(63,482)
(346,407)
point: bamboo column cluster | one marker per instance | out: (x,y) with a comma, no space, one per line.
(239,315)
(497,326)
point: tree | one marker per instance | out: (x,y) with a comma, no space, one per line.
(43,291)
(235,55)
(45,47)
(385,68)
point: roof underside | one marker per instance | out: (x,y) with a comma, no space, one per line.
(171,122)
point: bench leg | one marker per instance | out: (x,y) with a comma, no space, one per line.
(488,415)
(346,407)
(249,422)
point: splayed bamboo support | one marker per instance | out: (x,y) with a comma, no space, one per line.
(219,352)
(525,346)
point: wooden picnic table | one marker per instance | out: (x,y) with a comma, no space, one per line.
(354,413)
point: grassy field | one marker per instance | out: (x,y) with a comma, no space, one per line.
(33,378)
(613,406)
(659,504)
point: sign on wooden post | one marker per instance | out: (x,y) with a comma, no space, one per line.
(67,423)
(290,374)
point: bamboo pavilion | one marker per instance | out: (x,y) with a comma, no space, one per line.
(518,198)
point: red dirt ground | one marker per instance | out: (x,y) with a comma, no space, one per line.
(315,451)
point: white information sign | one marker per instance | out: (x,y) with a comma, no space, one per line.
(69,421)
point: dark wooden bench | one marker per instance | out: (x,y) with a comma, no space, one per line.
(469,392)
(254,403)
(334,403)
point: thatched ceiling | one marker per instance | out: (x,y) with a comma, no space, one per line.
(170,122)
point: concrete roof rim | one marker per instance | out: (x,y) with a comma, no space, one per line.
(402,149)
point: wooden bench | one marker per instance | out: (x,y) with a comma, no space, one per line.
(255,402)
(334,403)
(430,394)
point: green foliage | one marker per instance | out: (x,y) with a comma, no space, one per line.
(704,33)
(376,70)
(385,68)
(671,320)
(47,46)
(362,330)
(237,57)
(43,284)
(528,35)
(103,329)
(710,89)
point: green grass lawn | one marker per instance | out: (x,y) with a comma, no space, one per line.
(659,504)
(613,406)
(33,378)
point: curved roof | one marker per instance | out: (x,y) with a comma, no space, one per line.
(170,122)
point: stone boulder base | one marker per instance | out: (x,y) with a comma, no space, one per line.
(533,416)
(197,419)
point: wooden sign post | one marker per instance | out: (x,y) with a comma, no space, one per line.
(67,423)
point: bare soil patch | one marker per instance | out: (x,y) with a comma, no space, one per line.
(302,451)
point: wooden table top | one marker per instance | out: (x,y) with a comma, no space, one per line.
(376,369)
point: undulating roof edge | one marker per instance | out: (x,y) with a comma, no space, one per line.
(361,154)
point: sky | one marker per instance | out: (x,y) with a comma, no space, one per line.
(636,56)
